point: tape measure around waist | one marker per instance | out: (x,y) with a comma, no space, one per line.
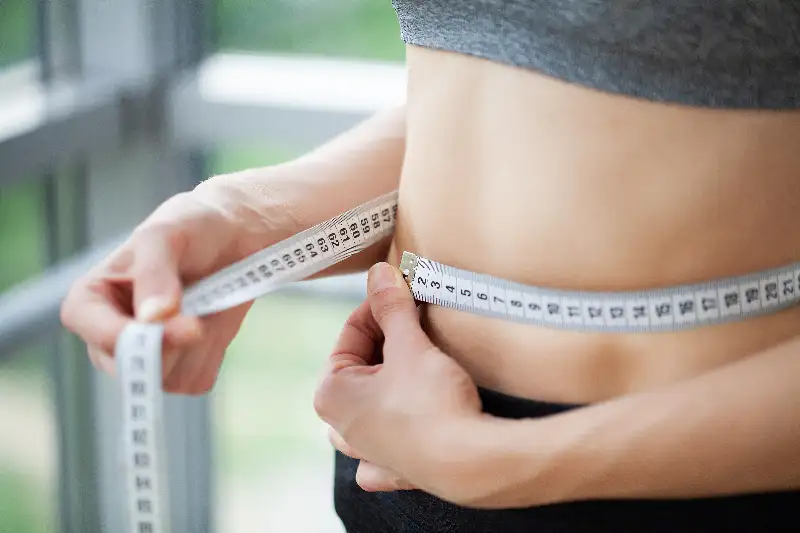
(138,349)
(657,310)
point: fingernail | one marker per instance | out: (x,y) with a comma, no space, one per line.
(382,276)
(152,309)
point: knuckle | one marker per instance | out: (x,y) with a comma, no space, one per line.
(322,398)
(65,314)
(118,262)
(176,238)
(172,234)
(68,310)
(364,327)
(333,437)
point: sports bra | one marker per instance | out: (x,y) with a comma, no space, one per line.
(714,53)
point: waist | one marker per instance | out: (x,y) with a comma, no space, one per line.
(536,181)
(601,241)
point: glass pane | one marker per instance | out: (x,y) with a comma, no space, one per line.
(28,468)
(22,232)
(274,463)
(16,30)
(347,28)
(249,155)
(28,449)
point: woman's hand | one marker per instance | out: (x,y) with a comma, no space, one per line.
(189,236)
(394,400)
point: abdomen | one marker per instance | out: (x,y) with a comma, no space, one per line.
(520,176)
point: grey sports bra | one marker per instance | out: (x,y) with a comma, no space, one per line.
(719,53)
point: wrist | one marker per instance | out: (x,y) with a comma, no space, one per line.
(264,205)
(472,463)
(498,463)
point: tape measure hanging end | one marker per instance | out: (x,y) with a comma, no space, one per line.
(408,264)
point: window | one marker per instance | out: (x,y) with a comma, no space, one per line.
(16,31)
(273,463)
(241,156)
(22,233)
(28,468)
(95,167)
(348,28)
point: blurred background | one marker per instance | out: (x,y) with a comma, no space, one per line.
(107,108)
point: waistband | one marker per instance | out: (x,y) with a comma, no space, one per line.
(504,406)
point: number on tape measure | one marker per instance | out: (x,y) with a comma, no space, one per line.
(659,310)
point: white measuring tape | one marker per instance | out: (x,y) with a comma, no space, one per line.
(657,310)
(138,350)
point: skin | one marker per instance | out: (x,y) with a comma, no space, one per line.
(415,421)
(511,173)
(562,186)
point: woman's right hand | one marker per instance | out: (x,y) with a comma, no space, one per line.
(188,237)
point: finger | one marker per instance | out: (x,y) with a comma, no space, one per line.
(342,393)
(184,332)
(339,443)
(226,327)
(102,361)
(394,308)
(358,340)
(91,311)
(196,371)
(373,478)
(183,336)
(156,283)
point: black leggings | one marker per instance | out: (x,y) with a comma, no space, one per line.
(419,512)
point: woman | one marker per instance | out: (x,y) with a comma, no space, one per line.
(587,145)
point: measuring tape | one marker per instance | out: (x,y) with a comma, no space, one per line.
(657,310)
(138,349)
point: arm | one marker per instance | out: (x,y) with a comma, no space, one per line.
(732,430)
(418,417)
(226,218)
(352,168)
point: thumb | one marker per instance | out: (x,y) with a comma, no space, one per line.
(156,284)
(394,309)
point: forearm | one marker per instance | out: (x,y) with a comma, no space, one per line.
(733,430)
(352,168)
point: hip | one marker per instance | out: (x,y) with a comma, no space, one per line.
(418,512)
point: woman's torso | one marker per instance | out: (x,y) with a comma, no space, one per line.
(515,174)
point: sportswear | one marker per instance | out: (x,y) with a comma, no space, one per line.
(721,53)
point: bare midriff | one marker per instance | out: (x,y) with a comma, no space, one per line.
(515,174)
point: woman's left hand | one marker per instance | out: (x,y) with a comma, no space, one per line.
(394,400)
